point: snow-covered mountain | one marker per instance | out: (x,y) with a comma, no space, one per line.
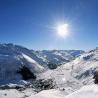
(72,76)
(60,56)
(74,79)
(14,58)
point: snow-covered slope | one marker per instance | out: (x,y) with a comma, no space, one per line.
(12,59)
(84,67)
(90,91)
(75,74)
(13,93)
(85,92)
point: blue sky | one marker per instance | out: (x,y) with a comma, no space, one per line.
(29,23)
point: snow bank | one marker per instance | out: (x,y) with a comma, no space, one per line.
(85,92)
(49,94)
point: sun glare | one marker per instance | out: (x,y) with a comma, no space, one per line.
(62,30)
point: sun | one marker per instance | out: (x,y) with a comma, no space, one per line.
(62,30)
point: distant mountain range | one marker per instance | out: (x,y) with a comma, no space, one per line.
(57,73)
(15,57)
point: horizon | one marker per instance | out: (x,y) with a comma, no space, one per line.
(31,23)
(46,49)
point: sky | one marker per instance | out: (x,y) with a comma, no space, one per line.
(31,23)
